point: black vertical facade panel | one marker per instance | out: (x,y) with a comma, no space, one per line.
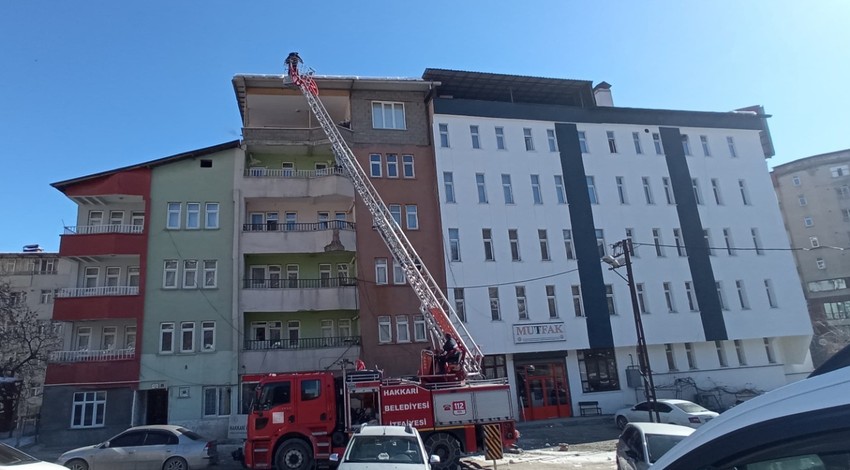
(702,275)
(593,297)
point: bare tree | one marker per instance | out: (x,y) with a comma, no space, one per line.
(25,344)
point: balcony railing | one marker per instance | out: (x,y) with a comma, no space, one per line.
(274,226)
(97,229)
(93,356)
(303,343)
(99,291)
(258,172)
(328,282)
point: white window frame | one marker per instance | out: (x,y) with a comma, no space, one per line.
(381,274)
(376,165)
(193,216)
(771,293)
(691,295)
(392,166)
(395,212)
(745,193)
(591,190)
(507,189)
(475,136)
(408,169)
(398,273)
(740,352)
(686,145)
(396,110)
(543,238)
(715,189)
(173,217)
(668,297)
(109,338)
(222,396)
(706,149)
(487,239)
(513,240)
(210,280)
(647,190)
(207,336)
(170,267)
(609,297)
(190,274)
(582,142)
(636,140)
(560,195)
(495,308)
(697,191)
(480,184)
(86,405)
(449,187)
(668,190)
(460,303)
(443,130)
(743,301)
(500,138)
(553,140)
(419,329)
(211,213)
(411,216)
(528,137)
(568,243)
(720,347)
(521,302)
(536,193)
(612,141)
(578,305)
(92,276)
(621,189)
(551,301)
(454,244)
(112,277)
(730,143)
(385,329)
(691,356)
(166,338)
(402,329)
(187,337)
(656,141)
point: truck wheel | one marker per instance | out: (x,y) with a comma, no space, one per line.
(446,447)
(293,455)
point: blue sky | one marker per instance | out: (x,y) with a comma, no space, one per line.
(88,86)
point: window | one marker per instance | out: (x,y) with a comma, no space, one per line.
(668,190)
(686,145)
(727,239)
(402,329)
(407,168)
(169,274)
(210,274)
(715,189)
(395,212)
(577,303)
(543,237)
(730,142)
(697,192)
(130,337)
(756,241)
(600,242)
(392,165)
(795,180)
(692,298)
(598,370)
(742,295)
(380,271)
(647,190)
(521,305)
(745,195)
(808,222)
(771,295)
(703,140)
(582,142)
(836,310)
(500,138)
(460,309)
(814,242)
(454,244)
(668,297)
(411,212)
(636,140)
(166,338)
(398,273)
(839,171)
(689,353)
(113,274)
(721,295)
(529,141)
(591,190)
(671,357)
(190,274)
(495,311)
(559,190)
(116,217)
(83,338)
(680,244)
(642,305)
(846,214)
(612,143)
(656,141)
(656,240)
(173,218)
(444,135)
(419,328)
(387,115)
(739,350)
(821,264)
(187,336)
(385,332)
(843,192)
(487,236)
(551,302)
(768,349)
(217,401)
(507,189)
(494,366)
(46,296)
(536,195)
(621,190)
(553,143)
(568,243)
(211,215)
(375,165)
(208,336)
(706,235)
(193,215)
(88,409)
(609,297)
(721,353)
(449,187)
(482,190)
(513,238)
(476,139)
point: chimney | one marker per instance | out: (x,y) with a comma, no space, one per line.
(602,94)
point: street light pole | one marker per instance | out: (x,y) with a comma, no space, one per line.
(643,355)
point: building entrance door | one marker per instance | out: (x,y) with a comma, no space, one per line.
(544,392)
(156,406)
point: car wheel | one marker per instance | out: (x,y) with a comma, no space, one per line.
(446,447)
(622,422)
(175,463)
(77,464)
(293,455)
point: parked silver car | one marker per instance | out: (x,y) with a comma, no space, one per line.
(159,447)
(641,444)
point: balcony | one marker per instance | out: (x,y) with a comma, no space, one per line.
(93,240)
(101,291)
(292,295)
(92,303)
(278,137)
(329,183)
(92,356)
(273,237)
(259,357)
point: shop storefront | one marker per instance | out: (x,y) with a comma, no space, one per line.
(542,387)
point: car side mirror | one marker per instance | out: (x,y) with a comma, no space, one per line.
(104,445)
(434,459)
(334,457)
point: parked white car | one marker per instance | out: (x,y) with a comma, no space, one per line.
(671,411)
(641,444)
(385,447)
(14,459)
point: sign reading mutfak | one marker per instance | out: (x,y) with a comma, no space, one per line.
(539,332)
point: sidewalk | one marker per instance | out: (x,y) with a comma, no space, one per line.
(572,431)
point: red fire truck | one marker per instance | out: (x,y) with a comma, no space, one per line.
(299,419)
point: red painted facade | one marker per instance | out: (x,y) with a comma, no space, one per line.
(98,307)
(102,244)
(106,372)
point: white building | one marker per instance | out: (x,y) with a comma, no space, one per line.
(538,176)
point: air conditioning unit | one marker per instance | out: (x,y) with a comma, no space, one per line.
(183,392)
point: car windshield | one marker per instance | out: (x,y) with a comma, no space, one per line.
(384,449)
(659,444)
(689,407)
(12,456)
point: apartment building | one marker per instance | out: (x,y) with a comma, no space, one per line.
(814,197)
(539,177)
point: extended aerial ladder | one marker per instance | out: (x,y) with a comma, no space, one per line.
(440,318)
